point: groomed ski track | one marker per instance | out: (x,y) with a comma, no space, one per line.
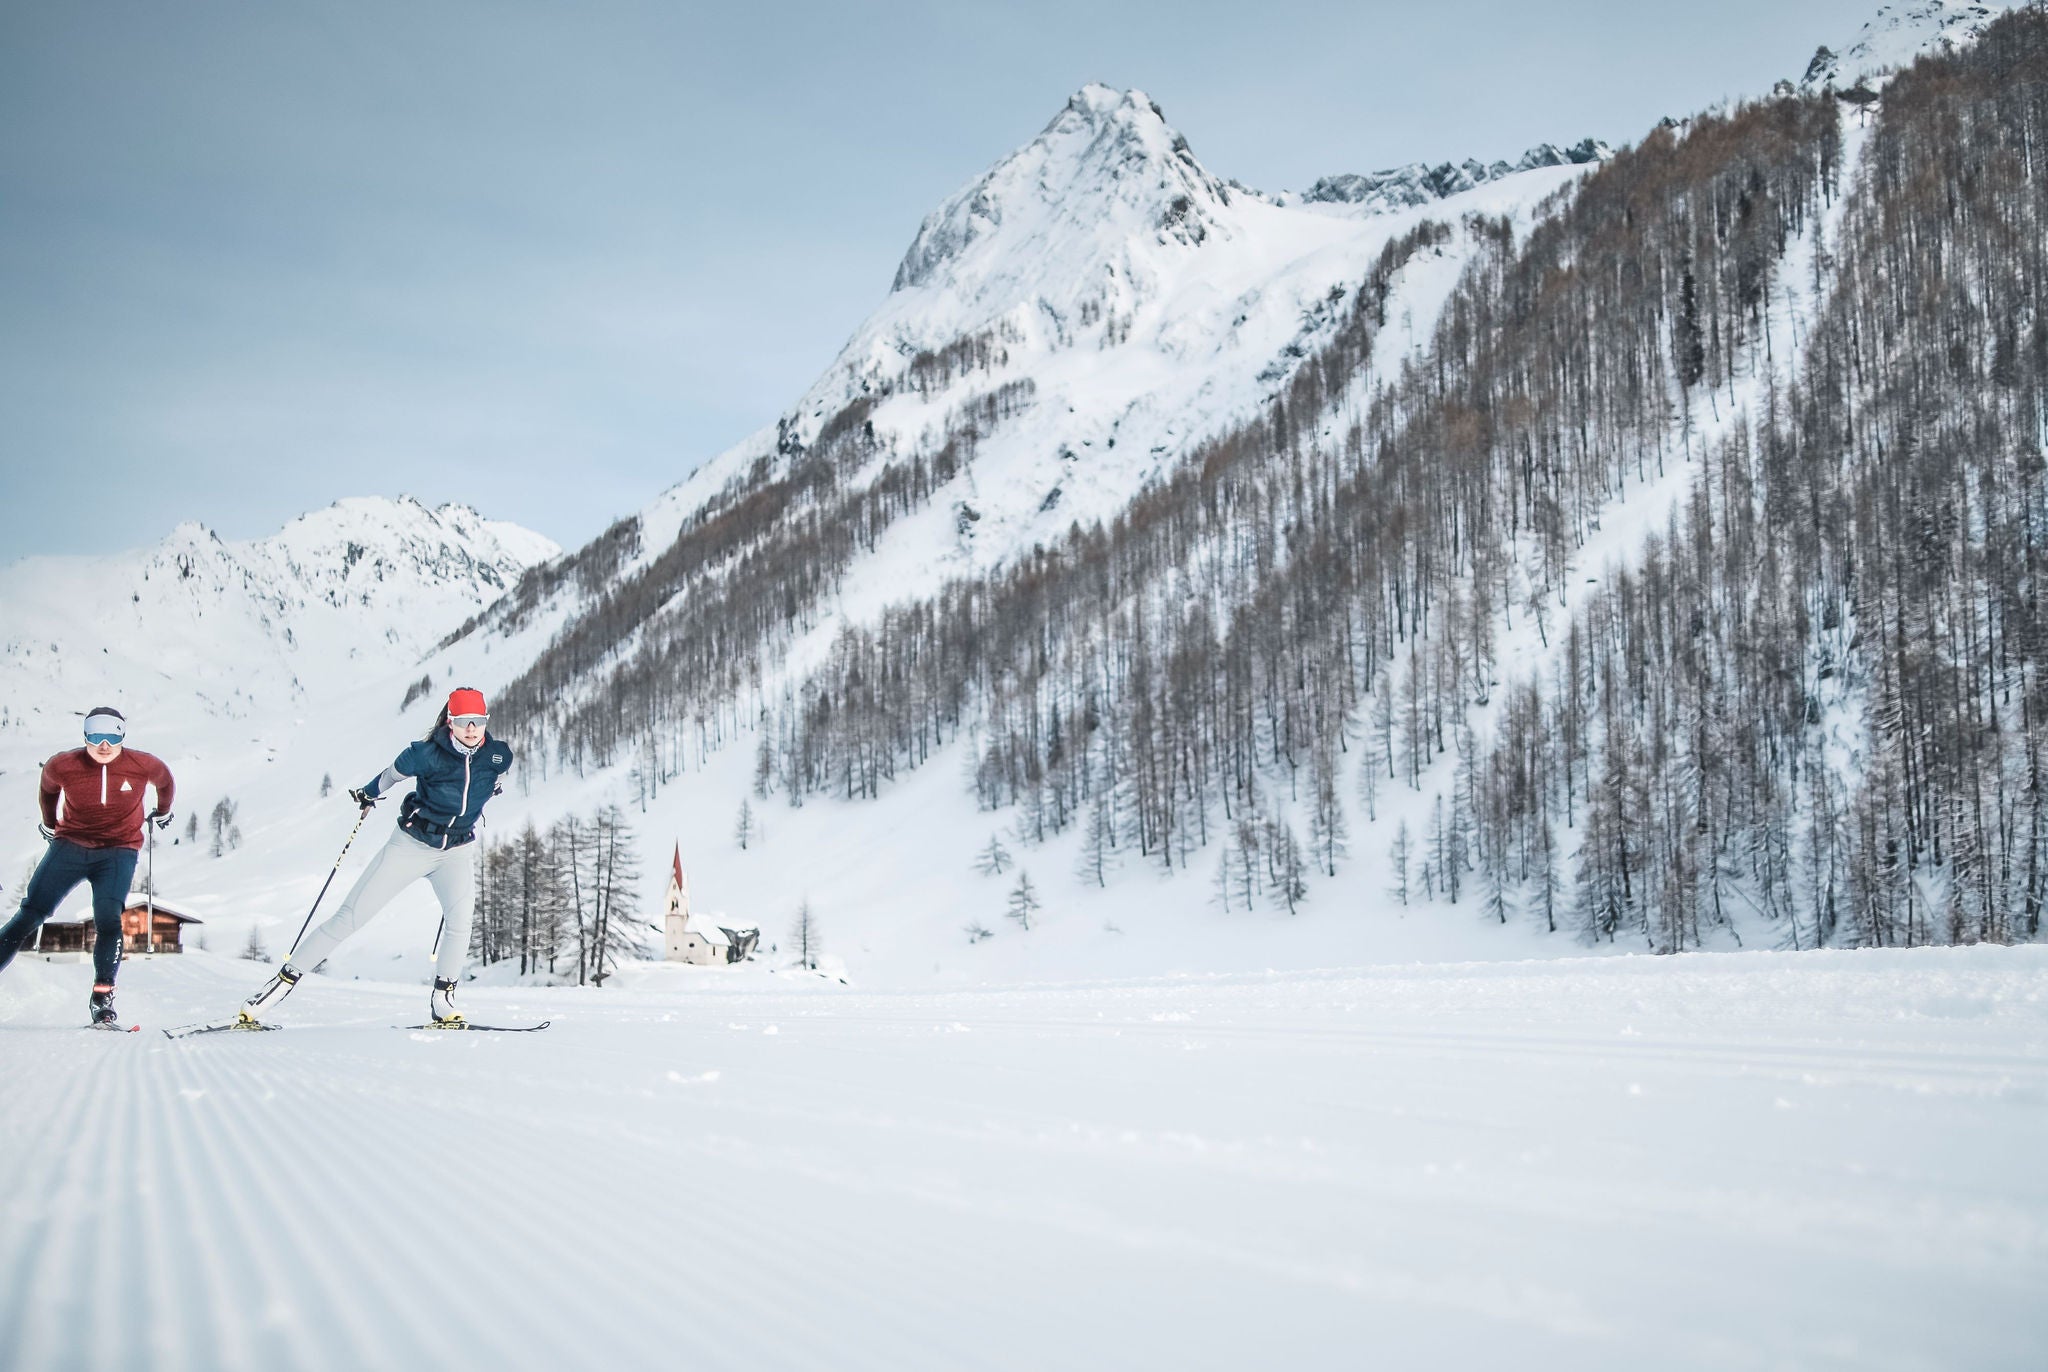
(1742,1160)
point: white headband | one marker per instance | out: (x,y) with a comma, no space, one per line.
(106,724)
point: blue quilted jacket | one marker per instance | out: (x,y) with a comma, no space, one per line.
(449,789)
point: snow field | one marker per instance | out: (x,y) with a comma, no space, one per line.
(1785,1160)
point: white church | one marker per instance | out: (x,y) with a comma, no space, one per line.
(699,938)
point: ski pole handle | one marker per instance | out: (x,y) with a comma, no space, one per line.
(360,817)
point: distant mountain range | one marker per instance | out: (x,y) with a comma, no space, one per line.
(244,626)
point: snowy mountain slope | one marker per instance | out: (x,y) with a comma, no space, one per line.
(1896,35)
(1133,304)
(1147,304)
(1212,346)
(1009,506)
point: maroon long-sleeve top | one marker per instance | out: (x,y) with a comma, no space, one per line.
(103,803)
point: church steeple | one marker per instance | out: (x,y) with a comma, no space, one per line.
(676,907)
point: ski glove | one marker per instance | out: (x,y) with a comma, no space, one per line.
(161,819)
(362,798)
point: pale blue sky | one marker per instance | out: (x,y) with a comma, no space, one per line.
(545,258)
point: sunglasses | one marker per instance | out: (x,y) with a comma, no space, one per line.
(464,721)
(102,740)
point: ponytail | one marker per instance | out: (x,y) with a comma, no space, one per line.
(440,724)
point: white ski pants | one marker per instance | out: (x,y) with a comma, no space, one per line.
(398,864)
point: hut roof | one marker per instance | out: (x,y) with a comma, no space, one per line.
(137,902)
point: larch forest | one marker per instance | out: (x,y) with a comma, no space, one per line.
(1306,613)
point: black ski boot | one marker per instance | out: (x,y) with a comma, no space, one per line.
(274,990)
(101,1007)
(442,1004)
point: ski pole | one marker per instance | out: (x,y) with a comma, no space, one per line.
(365,814)
(149,895)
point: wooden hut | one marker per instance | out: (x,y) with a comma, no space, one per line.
(77,934)
(136,935)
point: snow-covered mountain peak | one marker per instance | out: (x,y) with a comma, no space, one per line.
(337,597)
(1107,165)
(1896,35)
(364,552)
(1084,312)
(452,540)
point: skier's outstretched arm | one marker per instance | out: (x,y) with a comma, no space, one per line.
(405,765)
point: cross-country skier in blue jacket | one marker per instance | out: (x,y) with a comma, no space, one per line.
(455,770)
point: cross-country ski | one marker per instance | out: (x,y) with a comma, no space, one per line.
(219,1026)
(466,1026)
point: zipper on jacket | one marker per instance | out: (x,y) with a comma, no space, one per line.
(465,800)
(103,783)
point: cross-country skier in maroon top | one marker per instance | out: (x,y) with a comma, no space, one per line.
(94,837)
